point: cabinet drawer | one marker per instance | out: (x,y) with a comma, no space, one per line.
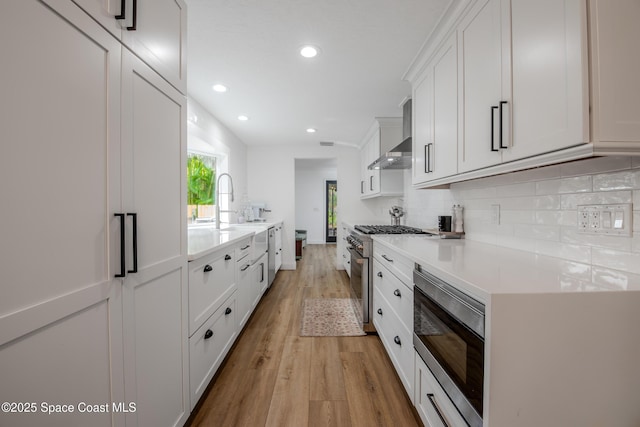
(396,263)
(211,281)
(429,396)
(243,249)
(209,345)
(398,295)
(397,340)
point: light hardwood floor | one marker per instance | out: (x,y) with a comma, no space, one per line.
(273,377)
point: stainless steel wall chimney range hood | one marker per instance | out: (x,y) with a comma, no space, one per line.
(399,157)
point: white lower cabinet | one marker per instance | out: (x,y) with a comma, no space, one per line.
(433,405)
(243,279)
(210,344)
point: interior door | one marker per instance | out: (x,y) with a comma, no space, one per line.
(331,206)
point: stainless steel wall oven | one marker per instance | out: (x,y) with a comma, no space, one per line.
(449,336)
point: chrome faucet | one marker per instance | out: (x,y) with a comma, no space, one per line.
(218,197)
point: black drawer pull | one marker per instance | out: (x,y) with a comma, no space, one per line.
(246,247)
(380,311)
(227,257)
(208,334)
(397,293)
(387,258)
(396,340)
(208,268)
(227,311)
(245,267)
(379,273)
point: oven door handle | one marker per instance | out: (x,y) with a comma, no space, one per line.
(354,254)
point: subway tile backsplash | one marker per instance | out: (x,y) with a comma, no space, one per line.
(538,213)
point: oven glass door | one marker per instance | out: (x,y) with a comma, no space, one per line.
(457,349)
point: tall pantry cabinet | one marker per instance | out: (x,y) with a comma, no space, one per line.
(89,131)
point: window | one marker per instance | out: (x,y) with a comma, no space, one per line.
(201,182)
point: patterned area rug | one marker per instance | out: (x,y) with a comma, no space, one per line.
(329,317)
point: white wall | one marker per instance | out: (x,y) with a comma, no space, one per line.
(539,214)
(271,172)
(311,200)
(206,129)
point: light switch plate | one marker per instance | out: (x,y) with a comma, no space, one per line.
(615,220)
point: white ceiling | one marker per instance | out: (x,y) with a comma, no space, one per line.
(252,47)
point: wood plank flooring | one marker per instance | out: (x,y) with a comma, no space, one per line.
(274,377)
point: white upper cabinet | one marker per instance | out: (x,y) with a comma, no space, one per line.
(615,67)
(155,30)
(482,78)
(549,77)
(435,117)
(384,134)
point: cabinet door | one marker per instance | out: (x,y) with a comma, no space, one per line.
(374,174)
(155,297)
(615,68)
(243,279)
(549,76)
(60,315)
(422,122)
(278,247)
(480,82)
(160,38)
(106,11)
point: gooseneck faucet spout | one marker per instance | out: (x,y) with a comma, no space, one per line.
(218,197)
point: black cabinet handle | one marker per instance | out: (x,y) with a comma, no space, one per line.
(208,268)
(387,258)
(361,187)
(500,130)
(227,257)
(397,293)
(208,334)
(134,16)
(396,340)
(379,273)
(245,247)
(122,10)
(227,311)
(427,164)
(262,270)
(493,108)
(380,311)
(134,219)
(245,267)
(122,257)
(371,183)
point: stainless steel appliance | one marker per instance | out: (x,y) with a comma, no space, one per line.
(448,333)
(271,249)
(361,252)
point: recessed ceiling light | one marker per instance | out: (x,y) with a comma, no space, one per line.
(243,118)
(311,130)
(219,88)
(309,51)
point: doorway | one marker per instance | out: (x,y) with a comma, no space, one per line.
(311,176)
(331,197)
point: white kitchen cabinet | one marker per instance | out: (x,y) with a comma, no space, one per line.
(278,233)
(431,401)
(384,134)
(393,310)
(210,344)
(615,66)
(245,293)
(435,117)
(345,255)
(158,35)
(515,98)
(155,313)
(61,307)
(105,124)
(260,278)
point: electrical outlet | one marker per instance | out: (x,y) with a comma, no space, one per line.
(613,220)
(495,214)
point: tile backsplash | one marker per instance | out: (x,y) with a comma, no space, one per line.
(538,210)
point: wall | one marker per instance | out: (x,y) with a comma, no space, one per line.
(311,201)
(210,133)
(539,212)
(271,172)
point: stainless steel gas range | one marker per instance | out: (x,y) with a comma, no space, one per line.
(361,250)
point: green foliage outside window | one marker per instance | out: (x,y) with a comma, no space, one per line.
(201,178)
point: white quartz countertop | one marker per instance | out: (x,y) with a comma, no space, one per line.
(203,240)
(482,270)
